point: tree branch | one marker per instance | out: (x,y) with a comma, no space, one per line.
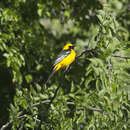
(42,102)
(97,110)
(6,125)
(123,57)
(84,51)
(90,108)
(90,50)
(10,122)
(51,101)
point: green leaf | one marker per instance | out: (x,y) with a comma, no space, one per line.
(28,78)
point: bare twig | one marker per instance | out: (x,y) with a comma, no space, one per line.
(97,110)
(84,51)
(10,122)
(90,50)
(37,119)
(123,57)
(42,102)
(51,101)
(90,108)
(22,125)
(6,125)
(109,69)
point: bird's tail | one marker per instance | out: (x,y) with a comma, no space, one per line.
(50,76)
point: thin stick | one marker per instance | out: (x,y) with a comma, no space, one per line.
(124,57)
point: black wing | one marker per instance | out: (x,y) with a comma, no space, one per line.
(61,56)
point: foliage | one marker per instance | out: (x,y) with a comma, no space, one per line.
(94,93)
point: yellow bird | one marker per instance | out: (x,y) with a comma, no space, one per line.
(64,59)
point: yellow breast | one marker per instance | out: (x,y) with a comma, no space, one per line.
(68,60)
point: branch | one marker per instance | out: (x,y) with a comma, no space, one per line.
(42,102)
(10,122)
(123,57)
(71,103)
(97,110)
(51,101)
(6,125)
(90,50)
(23,123)
(83,52)
(90,108)
(109,69)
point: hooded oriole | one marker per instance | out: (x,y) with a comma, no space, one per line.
(64,59)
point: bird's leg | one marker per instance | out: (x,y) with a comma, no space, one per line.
(67,68)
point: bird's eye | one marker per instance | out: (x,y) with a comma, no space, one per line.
(71,47)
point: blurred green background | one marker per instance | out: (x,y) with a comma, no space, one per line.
(94,93)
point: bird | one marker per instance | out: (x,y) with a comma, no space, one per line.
(65,58)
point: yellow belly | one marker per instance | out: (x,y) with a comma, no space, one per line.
(66,61)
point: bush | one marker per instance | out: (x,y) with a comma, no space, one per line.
(94,93)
